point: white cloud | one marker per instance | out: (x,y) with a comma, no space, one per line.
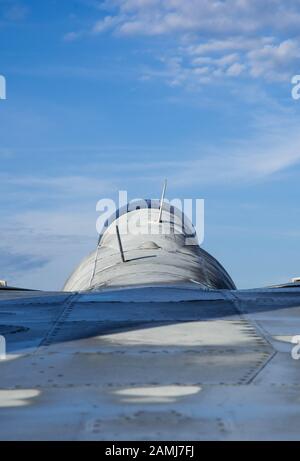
(274,62)
(235,69)
(265,59)
(263,36)
(154,17)
(56,187)
(272,149)
(239,163)
(105,24)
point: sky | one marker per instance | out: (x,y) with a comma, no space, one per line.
(116,95)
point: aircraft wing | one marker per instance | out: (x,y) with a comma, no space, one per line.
(150,363)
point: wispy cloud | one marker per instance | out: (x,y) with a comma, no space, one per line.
(155,17)
(58,188)
(14,264)
(39,249)
(13,11)
(212,40)
(49,227)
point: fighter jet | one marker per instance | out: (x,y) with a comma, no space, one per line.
(150,340)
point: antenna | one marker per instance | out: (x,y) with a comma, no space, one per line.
(162,200)
(120,244)
(95,263)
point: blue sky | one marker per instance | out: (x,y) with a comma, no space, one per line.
(109,95)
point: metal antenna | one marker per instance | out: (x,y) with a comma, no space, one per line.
(162,200)
(120,244)
(95,263)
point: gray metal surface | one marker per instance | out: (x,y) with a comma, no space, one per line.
(150,363)
(160,346)
(155,253)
